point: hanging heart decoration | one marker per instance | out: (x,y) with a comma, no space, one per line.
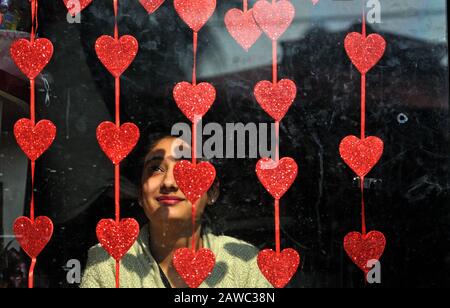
(116,55)
(364,52)
(361,155)
(364,248)
(195,13)
(117,238)
(194,100)
(278,268)
(31,57)
(117,142)
(76,6)
(277,178)
(151,5)
(242,27)
(194,266)
(34,140)
(274,18)
(33,236)
(194,181)
(276,99)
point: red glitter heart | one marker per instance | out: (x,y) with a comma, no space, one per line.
(361,155)
(31,57)
(194,267)
(194,181)
(242,27)
(33,236)
(274,18)
(194,100)
(151,5)
(34,140)
(365,52)
(363,248)
(117,238)
(277,178)
(278,268)
(76,6)
(116,55)
(195,13)
(276,99)
(117,142)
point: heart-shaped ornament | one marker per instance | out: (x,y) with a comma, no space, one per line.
(277,178)
(151,5)
(117,238)
(364,248)
(34,140)
(194,100)
(117,142)
(242,27)
(194,267)
(195,13)
(365,52)
(361,155)
(116,55)
(276,99)
(274,18)
(192,180)
(278,268)
(76,6)
(31,57)
(33,236)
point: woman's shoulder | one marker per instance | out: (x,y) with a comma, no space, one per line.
(233,247)
(237,259)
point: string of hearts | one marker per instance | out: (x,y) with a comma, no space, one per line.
(362,154)
(31,57)
(275,97)
(117,141)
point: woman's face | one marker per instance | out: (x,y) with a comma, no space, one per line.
(162,200)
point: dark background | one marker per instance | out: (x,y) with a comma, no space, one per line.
(410,203)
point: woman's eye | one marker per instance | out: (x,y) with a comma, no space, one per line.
(156,169)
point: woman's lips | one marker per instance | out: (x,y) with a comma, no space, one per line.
(168,200)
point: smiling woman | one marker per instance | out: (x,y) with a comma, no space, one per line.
(149,261)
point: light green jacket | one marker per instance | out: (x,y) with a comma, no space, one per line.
(236,266)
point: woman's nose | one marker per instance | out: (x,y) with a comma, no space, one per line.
(169,180)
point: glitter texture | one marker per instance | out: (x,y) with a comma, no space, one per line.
(195,13)
(33,236)
(76,6)
(31,58)
(117,238)
(365,52)
(194,267)
(278,268)
(116,55)
(34,140)
(194,181)
(277,178)
(274,19)
(361,155)
(117,142)
(363,248)
(151,5)
(242,27)
(276,99)
(194,100)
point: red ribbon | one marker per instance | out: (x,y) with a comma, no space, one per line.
(277,226)
(277,150)
(31,273)
(117,167)
(34,26)
(363,128)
